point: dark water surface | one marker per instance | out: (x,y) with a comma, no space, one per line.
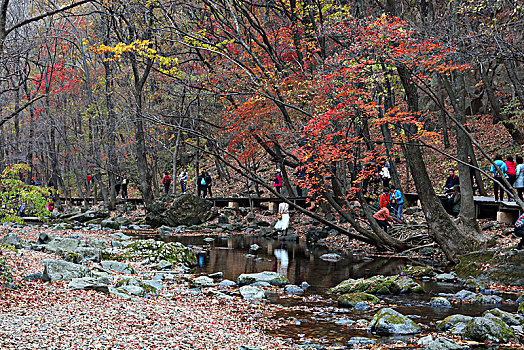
(314,314)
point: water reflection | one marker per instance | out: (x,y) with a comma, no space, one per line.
(299,262)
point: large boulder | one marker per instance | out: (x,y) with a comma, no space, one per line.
(186,209)
(14,240)
(270,277)
(389,321)
(505,266)
(508,318)
(89,283)
(379,285)
(60,270)
(74,250)
(489,328)
(440,302)
(57,245)
(83,254)
(249,292)
(117,266)
(445,344)
(156,251)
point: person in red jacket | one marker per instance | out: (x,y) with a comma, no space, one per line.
(383,200)
(166,180)
(512,170)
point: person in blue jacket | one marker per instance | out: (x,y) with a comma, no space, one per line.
(498,189)
(396,198)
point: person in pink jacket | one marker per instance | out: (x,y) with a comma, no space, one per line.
(277,181)
(383,218)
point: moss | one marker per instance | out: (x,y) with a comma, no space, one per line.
(122,282)
(72,257)
(418,271)
(279,281)
(418,290)
(351,299)
(157,251)
(521,309)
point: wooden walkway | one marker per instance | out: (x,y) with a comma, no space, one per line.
(219,202)
(485,207)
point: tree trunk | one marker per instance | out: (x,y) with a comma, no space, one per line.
(448,236)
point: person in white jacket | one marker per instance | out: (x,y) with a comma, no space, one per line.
(283,221)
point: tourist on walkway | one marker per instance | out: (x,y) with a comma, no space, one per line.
(455,201)
(283,218)
(277,181)
(166,180)
(451,181)
(183,181)
(399,201)
(202,185)
(519,181)
(519,231)
(471,174)
(498,189)
(383,218)
(209,182)
(124,188)
(512,170)
(301,176)
(118,185)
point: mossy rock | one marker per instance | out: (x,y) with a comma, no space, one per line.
(156,251)
(378,285)
(351,299)
(137,283)
(505,266)
(418,271)
(389,321)
(521,309)
(489,328)
(453,320)
(507,317)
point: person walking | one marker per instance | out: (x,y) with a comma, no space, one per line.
(202,185)
(166,180)
(118,185)
(209,182)
(512,170)
(399,201)
(124,188)
(455,201)
(183,181)
(519,177)
(383,218)
(498,189)
(277,181)
(385,175)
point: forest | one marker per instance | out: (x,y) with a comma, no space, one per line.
(318,107)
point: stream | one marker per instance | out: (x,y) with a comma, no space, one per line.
(313,315)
